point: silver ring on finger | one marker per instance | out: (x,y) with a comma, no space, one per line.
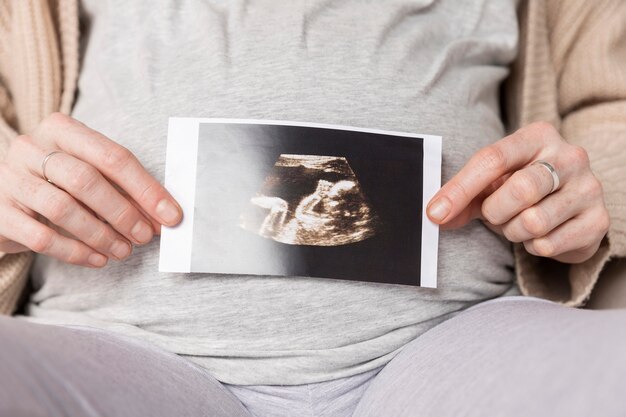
(45,162)
(555,176)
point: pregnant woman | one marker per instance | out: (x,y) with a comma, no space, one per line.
(101,332)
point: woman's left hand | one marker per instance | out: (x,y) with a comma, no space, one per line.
(503,187)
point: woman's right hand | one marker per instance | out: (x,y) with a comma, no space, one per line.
(102,201)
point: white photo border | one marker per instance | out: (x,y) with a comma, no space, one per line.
(180,180)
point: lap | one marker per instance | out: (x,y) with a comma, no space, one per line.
(50,370)
(510,357)
(513,357)
(335,398)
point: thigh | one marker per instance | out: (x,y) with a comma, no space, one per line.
(509,357)
(60,371)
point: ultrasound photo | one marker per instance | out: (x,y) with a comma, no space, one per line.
(290,199)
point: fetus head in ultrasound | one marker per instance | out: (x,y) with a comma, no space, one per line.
(311,200)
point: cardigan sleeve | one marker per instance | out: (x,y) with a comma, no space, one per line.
(13,267)
(589,58)
(39,44)
(591,76)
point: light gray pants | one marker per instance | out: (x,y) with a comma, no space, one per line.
(508,357)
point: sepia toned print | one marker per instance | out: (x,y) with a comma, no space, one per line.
(296,199)
(311,200)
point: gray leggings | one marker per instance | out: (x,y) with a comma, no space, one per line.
(507,357)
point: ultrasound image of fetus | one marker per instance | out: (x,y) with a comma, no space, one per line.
(311,200)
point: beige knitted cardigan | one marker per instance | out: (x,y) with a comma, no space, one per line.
(571,71)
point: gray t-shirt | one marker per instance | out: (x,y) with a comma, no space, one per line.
(427,66)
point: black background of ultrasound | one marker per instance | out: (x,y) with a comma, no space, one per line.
(390,172)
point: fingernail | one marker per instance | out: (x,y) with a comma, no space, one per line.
(439,209)
(142,232)
(168,212)
(97,260)
(120,249)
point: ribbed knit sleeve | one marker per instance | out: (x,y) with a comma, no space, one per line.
(13,278)
(38,72)
(587,51)
(589,41)
(13,267)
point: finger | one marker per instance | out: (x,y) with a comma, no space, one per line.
(579,236)
(578,256)
(156,226)
(523,189)
(551,212)
(86,184)
(23,229)
(62,210)
(474,209)
(485,167)
(8,246)
(114,161)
